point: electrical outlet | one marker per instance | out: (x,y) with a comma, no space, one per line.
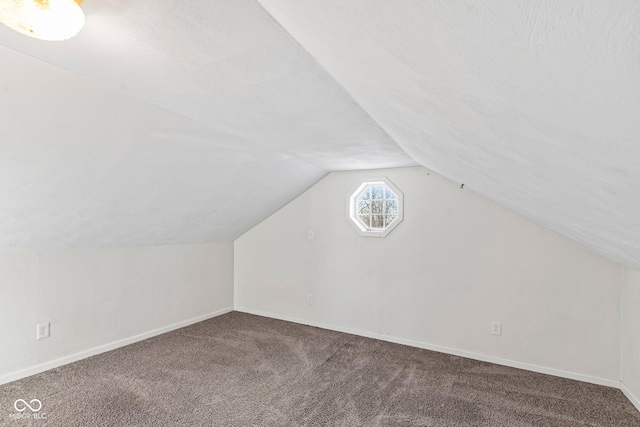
(42,331)
(496,328)
(310,299)
(310,234)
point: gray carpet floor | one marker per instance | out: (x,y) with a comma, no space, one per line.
(245,370)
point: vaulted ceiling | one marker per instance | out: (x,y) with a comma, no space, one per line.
(169,122)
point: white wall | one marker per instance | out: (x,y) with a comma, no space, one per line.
(456,263)
(631,336)
(101,299)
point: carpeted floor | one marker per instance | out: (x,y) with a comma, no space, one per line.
(244,370)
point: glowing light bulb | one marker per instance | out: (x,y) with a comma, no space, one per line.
(52,20)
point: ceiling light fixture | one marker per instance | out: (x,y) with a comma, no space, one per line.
(52,20)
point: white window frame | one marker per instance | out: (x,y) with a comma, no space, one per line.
(352,200)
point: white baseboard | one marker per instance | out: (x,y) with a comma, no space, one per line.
(491,359)
(635,400)
(107,347)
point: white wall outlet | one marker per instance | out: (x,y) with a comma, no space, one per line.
(42,331)
(310,234)
(310,299)
(496,328)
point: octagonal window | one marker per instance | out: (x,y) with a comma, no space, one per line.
(375,208)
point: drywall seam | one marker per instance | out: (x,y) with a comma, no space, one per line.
(470,355)
(632,398)
(107,347)
(338,82)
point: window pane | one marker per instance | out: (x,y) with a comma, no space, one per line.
(377,206)
(388,194)
(377,192)
(366,195)
(365,220)
(364,207)
(391,207)
(377,221)
(389,219)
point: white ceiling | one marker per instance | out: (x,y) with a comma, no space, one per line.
(174,122)
(533,104)
(155,128)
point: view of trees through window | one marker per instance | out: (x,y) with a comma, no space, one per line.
(377,207)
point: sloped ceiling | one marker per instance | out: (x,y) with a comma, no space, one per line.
(173,122)
(533,104)
(167,122)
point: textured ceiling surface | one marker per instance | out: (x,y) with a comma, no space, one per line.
(172,122)
(533,104)
(131,174)
(167,122)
